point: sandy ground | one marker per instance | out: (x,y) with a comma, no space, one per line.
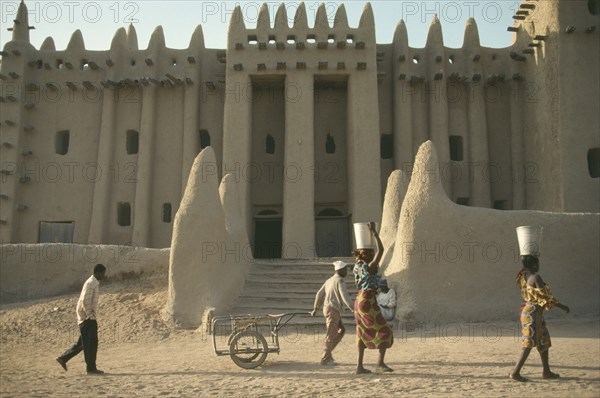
(143,356)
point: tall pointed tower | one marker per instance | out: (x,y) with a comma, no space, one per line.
(14,104)
(561,43)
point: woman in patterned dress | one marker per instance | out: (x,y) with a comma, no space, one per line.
(537,297)
(372,331)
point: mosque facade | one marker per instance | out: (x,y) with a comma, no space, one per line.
(310,119)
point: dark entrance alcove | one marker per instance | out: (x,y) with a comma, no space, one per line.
(332,233)
(267,234)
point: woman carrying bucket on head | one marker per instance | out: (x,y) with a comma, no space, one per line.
(537,297)
(372,331)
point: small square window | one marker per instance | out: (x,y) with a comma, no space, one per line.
(270,144)
(593,159)
(330,144)
(456,148)
(132,142)
(167,212)
(61,142)
(387,146)
(124,214)
(204,140)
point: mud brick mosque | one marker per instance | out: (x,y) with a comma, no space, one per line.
(97,146)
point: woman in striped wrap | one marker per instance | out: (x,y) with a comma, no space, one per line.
(537,297)
(372,331)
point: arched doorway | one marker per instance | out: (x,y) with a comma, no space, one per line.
(267,234)
(332,233)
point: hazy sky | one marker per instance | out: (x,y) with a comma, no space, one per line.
(98,20)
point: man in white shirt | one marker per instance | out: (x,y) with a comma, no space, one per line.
(331,296)
(88,326)
(386,299)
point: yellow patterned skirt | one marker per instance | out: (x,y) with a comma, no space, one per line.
(533,327)
(371,328)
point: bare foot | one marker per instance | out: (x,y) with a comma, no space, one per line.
(517,377)
(361,371)
(384,369)
(550,375)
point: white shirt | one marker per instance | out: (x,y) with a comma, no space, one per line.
(88,300)
(334,294)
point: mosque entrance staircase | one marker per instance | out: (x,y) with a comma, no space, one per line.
(278,286)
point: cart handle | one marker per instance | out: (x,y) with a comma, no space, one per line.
(290,315)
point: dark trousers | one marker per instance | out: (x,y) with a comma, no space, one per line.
(88,343)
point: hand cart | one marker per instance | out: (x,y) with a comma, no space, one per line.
(241,336)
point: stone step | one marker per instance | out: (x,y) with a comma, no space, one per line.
(252,280)
(326,269)
(298,279)
(301,305)
(280,286)
(283,294)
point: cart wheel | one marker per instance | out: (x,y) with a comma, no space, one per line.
(248,349)
(246,358)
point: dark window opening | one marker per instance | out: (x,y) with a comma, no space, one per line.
(123,214)
(501,205)
(61,142)
(132,142)
(270,143)
(456,148)
(330,144)
(386,146)
(204,139)
(268,234)
(594,7)
(332,237)
(463,201)
(594,162)
(167,212)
